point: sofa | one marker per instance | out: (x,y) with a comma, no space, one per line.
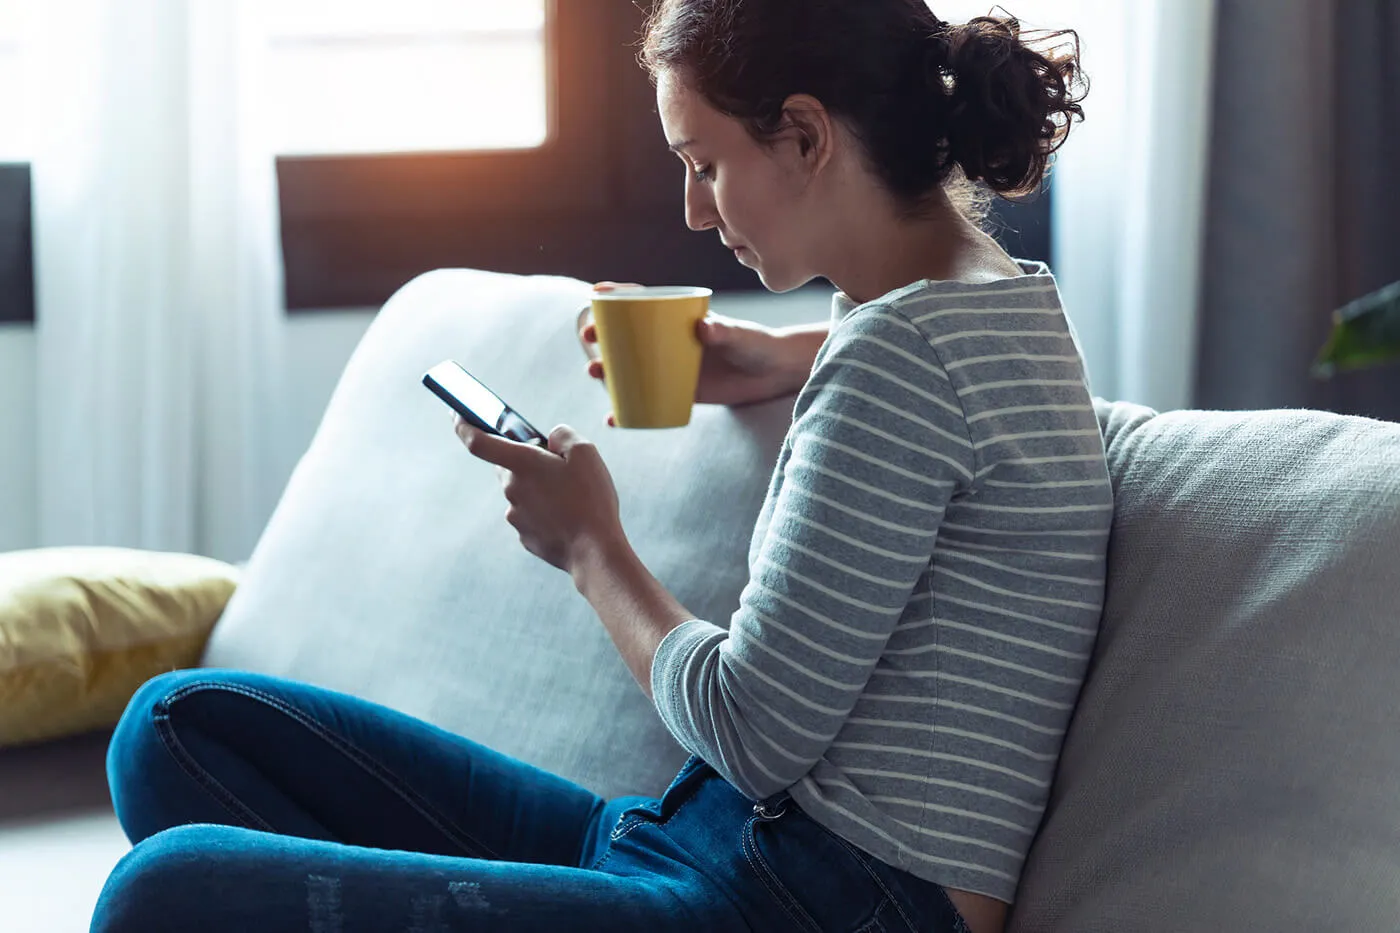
(1233,763)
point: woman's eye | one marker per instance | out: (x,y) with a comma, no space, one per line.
(702,175)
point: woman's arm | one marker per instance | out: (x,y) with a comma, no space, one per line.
(635,608)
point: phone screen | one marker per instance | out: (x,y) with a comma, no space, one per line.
(481,402)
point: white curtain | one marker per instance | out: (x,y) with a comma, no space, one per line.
(158,276)
(1129,191)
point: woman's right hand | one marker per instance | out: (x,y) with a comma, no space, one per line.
(743,362)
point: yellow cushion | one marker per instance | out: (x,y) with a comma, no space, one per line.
(82,628)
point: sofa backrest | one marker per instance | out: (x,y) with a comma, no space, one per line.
(388,569)
(1234,761)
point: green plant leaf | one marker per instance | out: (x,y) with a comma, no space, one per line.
(1364,333)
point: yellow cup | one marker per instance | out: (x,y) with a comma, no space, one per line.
(651,354)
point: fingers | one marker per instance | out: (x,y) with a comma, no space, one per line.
(595,371)
(588,339)
(712,330)
(611,286)
(498,451)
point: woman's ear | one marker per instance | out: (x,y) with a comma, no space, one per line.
(809,122)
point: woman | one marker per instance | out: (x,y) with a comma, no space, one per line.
(875,734)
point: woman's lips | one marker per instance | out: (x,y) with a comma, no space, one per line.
(739,251)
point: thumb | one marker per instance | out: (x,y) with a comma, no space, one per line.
(563,439)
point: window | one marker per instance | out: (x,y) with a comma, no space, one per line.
(521,160)
(408,76)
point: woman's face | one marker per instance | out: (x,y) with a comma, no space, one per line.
(750,193)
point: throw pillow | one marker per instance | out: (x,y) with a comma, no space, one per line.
(82,628)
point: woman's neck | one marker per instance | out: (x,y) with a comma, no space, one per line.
(881,252)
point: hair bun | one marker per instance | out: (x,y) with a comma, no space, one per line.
(1008,106)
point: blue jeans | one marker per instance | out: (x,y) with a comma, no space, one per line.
(260,805)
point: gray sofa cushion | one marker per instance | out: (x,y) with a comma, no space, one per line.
(388,569)
(1234,762)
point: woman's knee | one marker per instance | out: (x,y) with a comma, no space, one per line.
(168,882)
(135,736)
(139,762)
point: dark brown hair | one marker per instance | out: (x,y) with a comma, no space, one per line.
(932,103)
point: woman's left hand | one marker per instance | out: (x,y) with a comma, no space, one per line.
(562,500)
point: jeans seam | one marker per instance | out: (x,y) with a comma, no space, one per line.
(622,831)
(778,890)
(864,861)
(221,795)
(875,922)
(627,824)
(346,748)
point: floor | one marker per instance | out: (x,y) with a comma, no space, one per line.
(58,835)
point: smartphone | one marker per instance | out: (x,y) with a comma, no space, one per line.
(478,405)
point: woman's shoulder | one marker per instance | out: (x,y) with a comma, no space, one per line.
(1014,305)
(987,289)
(941,310)
(1010,331)
(978,289)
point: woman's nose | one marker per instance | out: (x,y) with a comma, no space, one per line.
(700,213)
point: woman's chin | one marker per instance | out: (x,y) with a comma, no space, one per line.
(772,279)
(779,283)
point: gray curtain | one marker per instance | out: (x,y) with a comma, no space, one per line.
(1303,202)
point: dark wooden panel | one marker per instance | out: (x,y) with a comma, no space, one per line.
(16,245)
(350,265)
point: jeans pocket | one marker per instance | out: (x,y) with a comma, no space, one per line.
(817,880)
(659,810)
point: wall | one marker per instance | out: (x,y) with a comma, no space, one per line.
(317,348)
(17,437)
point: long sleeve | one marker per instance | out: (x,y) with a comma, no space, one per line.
(878,447)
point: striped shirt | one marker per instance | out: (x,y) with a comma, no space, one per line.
(926,580)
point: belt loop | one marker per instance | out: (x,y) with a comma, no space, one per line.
(770,808)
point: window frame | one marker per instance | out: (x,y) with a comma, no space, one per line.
(403,204)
